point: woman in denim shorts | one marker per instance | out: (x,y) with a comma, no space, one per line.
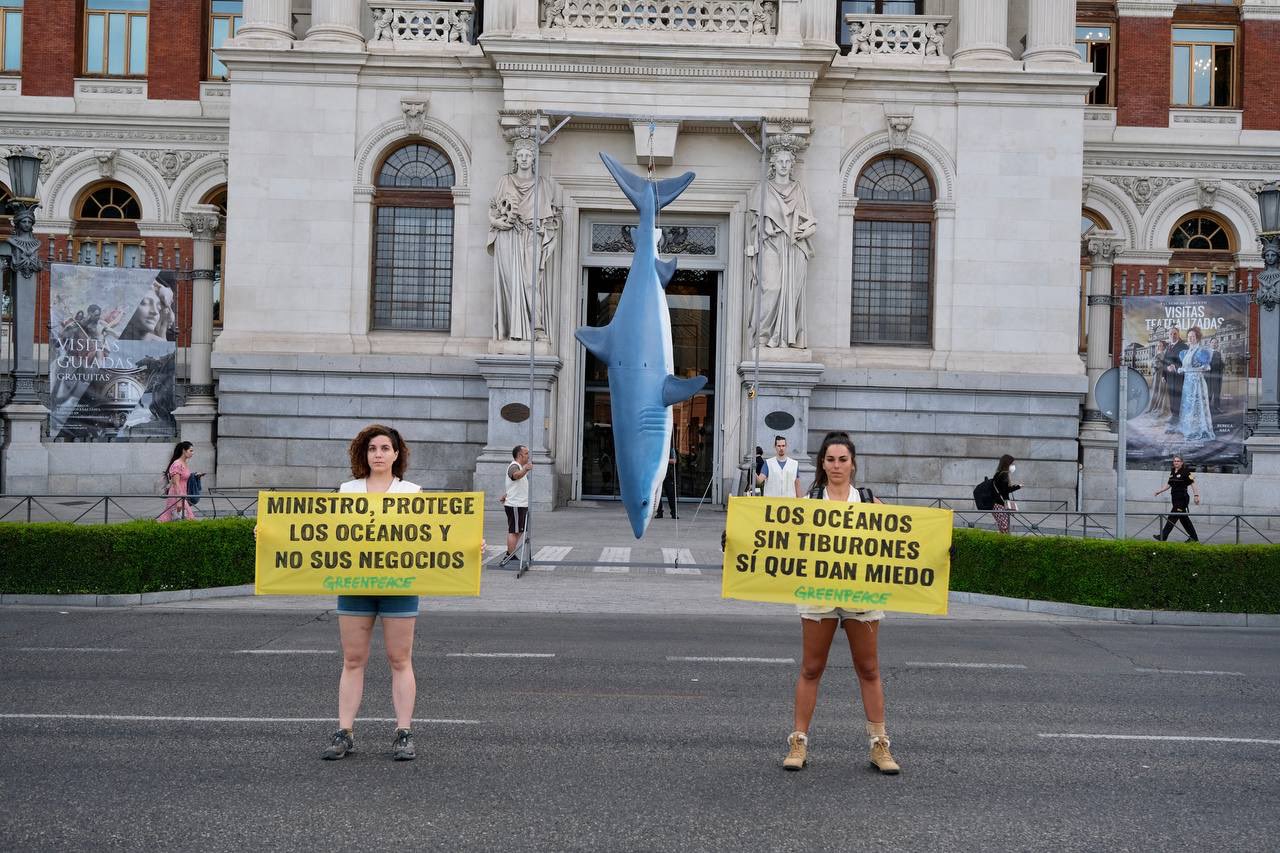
(837,468)
(379,458)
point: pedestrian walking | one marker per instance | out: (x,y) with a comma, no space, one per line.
(1005,487)
(1181,480)
(177,475)
(781,478)
(379,457)
(834,481)
(515,500)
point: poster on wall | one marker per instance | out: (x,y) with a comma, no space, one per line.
(1193,351)
(112,345)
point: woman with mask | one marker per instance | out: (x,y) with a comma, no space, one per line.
(1005,487)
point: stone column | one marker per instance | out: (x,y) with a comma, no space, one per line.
(526,24)
(984,26)
(1051,32)
(266,21)
(507,377)
(336,21)
(202,221)
(1102,249)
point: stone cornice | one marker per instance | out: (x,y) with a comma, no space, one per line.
(1144,9)
(664,59)
(140,130)
(1259,12)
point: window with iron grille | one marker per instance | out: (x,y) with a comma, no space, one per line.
(413,240)
(893,255)
(105,231)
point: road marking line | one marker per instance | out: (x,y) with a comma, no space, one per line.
(60,649)
(491,551)
(681,570)
(1187,671)
(728,660)
(552,553)
(500,655)
(1162,737)
(674,555)
(139,718)
(287,652)
(614,555)
(959,665)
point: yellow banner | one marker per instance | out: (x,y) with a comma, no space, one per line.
(858,556)
(322,543)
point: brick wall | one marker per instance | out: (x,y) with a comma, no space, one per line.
(1261,77)
(50,48)
(176,49)
(1142,71)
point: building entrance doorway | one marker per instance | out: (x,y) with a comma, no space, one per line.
(693,299)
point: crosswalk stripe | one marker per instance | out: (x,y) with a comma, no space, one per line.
(673,557)
(552,553)
(614,555)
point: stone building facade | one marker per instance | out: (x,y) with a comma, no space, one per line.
(950,153)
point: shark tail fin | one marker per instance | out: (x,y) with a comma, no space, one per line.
(676,390)
(595,339)
(669,190)
(637,187)
(666,269)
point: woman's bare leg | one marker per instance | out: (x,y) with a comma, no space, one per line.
(816,644)
(397,633)
(356,633)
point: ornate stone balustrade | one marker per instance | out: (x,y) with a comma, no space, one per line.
(430,23)
(917,37)
(733,17)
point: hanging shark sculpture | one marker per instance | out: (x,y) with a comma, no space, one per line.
(636,347)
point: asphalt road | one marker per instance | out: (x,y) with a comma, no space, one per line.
(612,739)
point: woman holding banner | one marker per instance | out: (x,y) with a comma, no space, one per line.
(378,458)
(834,482)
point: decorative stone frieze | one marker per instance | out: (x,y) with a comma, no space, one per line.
(169,163)
(747,17)
(1143,189)
(423,22)
(897,35)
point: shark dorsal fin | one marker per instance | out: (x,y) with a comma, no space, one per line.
(596,339)
(676,390)
(666,269)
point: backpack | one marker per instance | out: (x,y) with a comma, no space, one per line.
(984,494)
(194,488)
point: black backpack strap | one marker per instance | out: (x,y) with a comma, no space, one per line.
(866,495)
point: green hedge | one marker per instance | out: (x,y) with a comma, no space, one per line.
(140,556)
(1128,573)
(145,556)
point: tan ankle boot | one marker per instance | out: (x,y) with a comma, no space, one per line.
(881,758)
(797,751)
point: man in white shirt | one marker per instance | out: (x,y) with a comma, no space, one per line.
(781,477)
(516,499)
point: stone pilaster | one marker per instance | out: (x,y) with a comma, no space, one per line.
(1051,33)
(510,416)
(202,221)
(1103,247)
(782,407)
(983,38)
(26,459)
(266,21)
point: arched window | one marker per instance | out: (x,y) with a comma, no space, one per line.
(1203,255)
(218,198)
(413,240)
(106,226)
(893,254)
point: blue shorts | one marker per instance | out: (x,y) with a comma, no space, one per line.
(373,605)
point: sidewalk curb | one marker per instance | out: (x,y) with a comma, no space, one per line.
(1055,608)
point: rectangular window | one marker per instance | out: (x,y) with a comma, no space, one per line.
(413,268)
(870,7)
(225,19)
(10,36)
(1203,67)
(891,281)
(115,42)
(1093,43)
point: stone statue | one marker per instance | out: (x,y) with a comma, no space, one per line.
(788,228)
(1268,295)
(511,241)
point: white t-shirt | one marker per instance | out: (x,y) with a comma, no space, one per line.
(397,485)
(517,490)
(780,481)
(815,609)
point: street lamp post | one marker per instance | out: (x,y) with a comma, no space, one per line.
(1268,299)
(21,253)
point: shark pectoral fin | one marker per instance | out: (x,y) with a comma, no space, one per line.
(670,189)
(595,339)
(675,390)
(666,269)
